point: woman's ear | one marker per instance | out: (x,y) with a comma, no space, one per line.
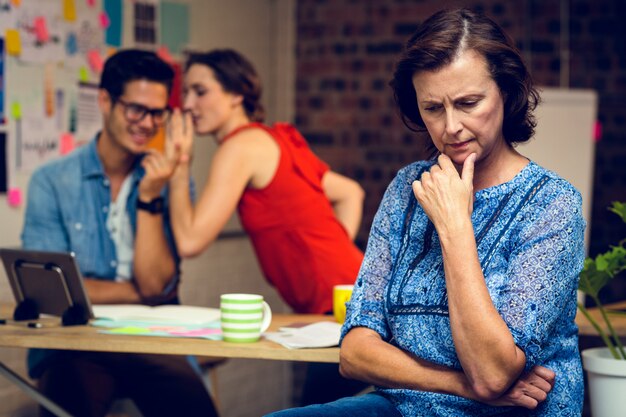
(237,99)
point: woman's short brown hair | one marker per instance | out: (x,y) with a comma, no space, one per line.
(236,75)
(440,39)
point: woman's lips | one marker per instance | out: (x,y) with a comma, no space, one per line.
(460,145)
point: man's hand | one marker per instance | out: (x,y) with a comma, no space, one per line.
(159,169)
(530,389)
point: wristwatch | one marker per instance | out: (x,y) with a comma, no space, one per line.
(154,206)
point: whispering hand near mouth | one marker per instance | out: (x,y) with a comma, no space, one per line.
(179,137)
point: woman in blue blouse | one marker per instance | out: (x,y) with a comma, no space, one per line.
(466,298)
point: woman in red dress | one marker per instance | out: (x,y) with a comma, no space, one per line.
(300,215)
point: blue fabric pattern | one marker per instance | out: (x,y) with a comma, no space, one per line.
(530,238)
(67,209)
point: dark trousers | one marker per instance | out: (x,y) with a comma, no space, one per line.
(85,384)
(323,383)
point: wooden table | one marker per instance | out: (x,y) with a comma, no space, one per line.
(54,336)
(619,322)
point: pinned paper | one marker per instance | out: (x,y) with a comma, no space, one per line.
(69,10)
(71,44)
(95,60)
(16,110)
(83,75)
(16,2)
(114,11)
(13,43)
(67,144)
(164,53)
(91,3)
(41,29)
(14,197)
(104,20)
(48,89)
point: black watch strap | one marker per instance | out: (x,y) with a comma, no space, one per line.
(154,206)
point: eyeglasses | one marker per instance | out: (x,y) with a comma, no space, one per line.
(135,113)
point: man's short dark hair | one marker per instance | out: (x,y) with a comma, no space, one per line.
(134,64)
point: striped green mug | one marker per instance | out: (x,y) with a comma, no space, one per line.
(244,317)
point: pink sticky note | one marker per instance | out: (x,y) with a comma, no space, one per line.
(67,143)
(164,53)
(41,29)
(14,197)
(104,20)
(91,3)
(597,131)
(95,60)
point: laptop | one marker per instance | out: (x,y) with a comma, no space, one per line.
(46,283)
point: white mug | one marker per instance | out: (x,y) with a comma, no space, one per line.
(244,317)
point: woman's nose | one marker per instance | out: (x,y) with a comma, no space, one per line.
(453,123)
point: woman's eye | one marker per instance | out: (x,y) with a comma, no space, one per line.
(470,103)
(432,108)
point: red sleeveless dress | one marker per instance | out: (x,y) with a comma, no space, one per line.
(302,248)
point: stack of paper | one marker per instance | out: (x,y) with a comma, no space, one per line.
(316,335)
(165,314)
(165,320)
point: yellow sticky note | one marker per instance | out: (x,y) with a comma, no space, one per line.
(83,75)
(16,110)
(129,330)
(13,43)
(16,2)
(69,10)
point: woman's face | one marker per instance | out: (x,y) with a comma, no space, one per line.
(211,107)
(462,108)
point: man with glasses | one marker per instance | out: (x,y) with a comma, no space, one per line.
(106,203)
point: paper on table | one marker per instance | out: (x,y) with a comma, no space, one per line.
(316,335)
(158,314)
(210,331)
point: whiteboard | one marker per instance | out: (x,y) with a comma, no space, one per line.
(564,140)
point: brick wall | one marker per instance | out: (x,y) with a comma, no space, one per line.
(345,57)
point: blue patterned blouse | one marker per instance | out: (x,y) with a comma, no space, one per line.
(529,233)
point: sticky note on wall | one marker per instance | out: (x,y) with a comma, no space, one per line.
(104,20)
(95,60)
(41,29)
(14,197)
(13,42)
(16,110)
(67,143)
(69,10)
(164,53)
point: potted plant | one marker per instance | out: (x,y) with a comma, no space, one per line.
(605,366)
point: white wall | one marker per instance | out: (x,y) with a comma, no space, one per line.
(564,142)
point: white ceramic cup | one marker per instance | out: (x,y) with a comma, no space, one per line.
(244,317)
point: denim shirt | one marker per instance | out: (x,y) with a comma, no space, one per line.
(67,209)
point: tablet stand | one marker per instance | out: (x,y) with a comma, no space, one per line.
(75,315)
(27,309)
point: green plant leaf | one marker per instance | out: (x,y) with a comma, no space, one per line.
(619,208)
(595,275)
